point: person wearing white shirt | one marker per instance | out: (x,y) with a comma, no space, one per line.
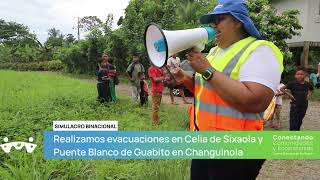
(174,62)
(275,122)
(318,74)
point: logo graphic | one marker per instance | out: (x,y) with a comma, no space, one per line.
(218,6)
(6,147)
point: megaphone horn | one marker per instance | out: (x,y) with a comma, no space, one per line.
(161,44)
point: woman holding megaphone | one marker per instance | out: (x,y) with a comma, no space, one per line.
(233,85)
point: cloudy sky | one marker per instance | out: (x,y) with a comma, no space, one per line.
(41,15)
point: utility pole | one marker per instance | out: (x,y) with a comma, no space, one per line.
(78,29)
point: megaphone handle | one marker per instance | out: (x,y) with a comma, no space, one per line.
(170,74)
(200,47)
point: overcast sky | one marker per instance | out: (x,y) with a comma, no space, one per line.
(41,15)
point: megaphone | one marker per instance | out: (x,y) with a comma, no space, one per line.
(161,44)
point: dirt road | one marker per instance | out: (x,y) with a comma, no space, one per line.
(126,89)
(295,169)
(275,169)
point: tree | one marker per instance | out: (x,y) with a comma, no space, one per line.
(117,49)
(55,38)
(70,38)
(139,14)
(120,21)
(96,44)
(276,27)
(107,26)
(17,44)
(186,11)
(88,23)
(10,31)
(13,34)
(54,42)
(129,37)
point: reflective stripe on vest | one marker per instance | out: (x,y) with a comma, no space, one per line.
(225,111)
(213,113)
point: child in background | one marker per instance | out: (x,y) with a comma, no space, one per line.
(277,109)
(156,75)
(144,93)
(301,91)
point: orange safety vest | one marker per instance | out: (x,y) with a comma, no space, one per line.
(210,112)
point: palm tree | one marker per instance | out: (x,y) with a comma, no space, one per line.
(187,11)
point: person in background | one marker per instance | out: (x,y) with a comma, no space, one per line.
(132,73)
(105,79)
(301,92)
(317,85)
(104,59)
(144,93)
(112,73)
(174,62)
(313,77)
(156,75)
(277,125)
(102,84)
(318,74)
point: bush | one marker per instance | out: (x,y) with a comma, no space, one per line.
(73,56)
(81,57)
(55,65)
(5,54)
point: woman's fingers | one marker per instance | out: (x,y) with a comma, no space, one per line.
(174,70)
(177,73)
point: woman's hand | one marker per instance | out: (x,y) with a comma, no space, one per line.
(183,78)
(197,61)
(178,74)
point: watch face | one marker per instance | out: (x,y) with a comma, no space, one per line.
(206,74)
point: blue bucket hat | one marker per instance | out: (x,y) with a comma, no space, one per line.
(238,9)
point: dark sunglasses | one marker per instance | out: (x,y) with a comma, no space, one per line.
(218,20)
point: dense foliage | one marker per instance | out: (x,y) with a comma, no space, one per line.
(19,45)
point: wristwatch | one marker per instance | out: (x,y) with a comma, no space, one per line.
(208,74)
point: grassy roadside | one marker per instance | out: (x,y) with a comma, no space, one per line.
(30,101)
(316,95)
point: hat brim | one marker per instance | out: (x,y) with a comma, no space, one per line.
(207,18)
(246,21)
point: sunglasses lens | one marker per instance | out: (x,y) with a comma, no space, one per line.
(217,20)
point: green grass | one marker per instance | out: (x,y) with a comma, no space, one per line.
(30,101)
(316,95)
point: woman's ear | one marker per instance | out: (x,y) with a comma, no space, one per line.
(242,31)
(239,25)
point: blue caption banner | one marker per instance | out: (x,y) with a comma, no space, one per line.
(182,145)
